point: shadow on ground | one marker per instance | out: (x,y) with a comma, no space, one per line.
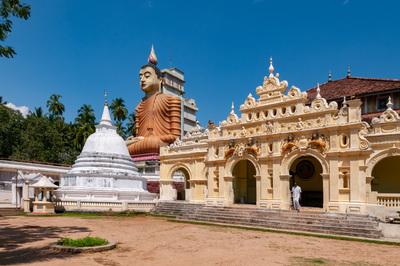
(12,238)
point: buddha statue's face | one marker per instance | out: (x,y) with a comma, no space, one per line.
(149,82)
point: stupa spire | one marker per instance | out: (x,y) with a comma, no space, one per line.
(105,117)
(152,56)
(232,108)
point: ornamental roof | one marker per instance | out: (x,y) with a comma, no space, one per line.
(353,86)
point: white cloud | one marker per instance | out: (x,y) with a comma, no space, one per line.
(24,110)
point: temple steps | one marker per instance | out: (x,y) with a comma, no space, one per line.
(10,211)
(307,221)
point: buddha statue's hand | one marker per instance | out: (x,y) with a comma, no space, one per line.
(130,140)
(168,138)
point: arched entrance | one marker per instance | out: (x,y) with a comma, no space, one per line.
(306,172)
(181,183)
(386,175)
(244,182)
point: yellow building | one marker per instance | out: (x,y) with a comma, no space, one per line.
(342,164)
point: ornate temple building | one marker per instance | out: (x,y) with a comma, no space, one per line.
(281,136)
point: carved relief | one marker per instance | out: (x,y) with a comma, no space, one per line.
(240,149)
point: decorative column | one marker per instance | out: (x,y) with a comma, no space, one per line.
(258,189)
(285,191)
(325,189)
(228,190)
(333,181)
(25,193)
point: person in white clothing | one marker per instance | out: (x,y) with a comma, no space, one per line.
(296,192)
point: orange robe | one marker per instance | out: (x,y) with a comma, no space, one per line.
(158,120)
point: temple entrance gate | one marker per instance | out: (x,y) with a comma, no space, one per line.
(181,183)
(386,173)
(306,172)
(244,183)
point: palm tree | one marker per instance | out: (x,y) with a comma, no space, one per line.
(85,115)
(120,112)
(55,107)
(85,125)
(131,125)
(38,112)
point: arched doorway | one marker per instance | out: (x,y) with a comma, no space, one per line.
(306,172)
(244,183)
(386,175)
(181,183)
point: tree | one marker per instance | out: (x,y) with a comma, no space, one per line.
(131,125)
(8,9)
(11,128)
(55,107)
(120,113)
(84,125)
(38,112)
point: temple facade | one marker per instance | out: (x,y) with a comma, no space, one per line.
(281,136)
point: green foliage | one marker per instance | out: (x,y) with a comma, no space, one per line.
(46,137)
(8,9)
(119,112)
(131,125)
(55,107)
(85,125)
(11,128)
(88,241)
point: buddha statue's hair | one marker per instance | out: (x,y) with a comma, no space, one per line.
(156,69)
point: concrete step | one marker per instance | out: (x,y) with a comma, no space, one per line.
(272,214)
(308,221)
(291,224)
(368,234)
(9,211)
(292,219)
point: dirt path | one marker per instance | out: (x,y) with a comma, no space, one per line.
(155,241)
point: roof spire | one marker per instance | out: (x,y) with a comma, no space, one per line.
(271,67)
(344,104)
(152,56)
(389,104)
(329,76)
(232,108)
(348,72)
(105,97)
(318,92)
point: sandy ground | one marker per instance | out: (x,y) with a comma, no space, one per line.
(156,241)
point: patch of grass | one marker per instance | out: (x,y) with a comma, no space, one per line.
(336,237)
(88,241)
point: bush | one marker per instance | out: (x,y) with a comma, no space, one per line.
(82,242)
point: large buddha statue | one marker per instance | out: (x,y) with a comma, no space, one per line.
(158,116)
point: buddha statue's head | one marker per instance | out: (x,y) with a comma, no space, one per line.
(150,79)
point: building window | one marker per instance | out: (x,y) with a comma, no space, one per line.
(381,102)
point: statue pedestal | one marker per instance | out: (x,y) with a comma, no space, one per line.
(43,207)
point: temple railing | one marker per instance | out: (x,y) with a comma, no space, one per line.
(390,200)
(83,205)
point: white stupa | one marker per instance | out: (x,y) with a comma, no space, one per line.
(104,171)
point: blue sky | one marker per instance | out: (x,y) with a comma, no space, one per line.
(79,48)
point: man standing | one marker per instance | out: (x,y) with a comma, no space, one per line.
(296,192)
